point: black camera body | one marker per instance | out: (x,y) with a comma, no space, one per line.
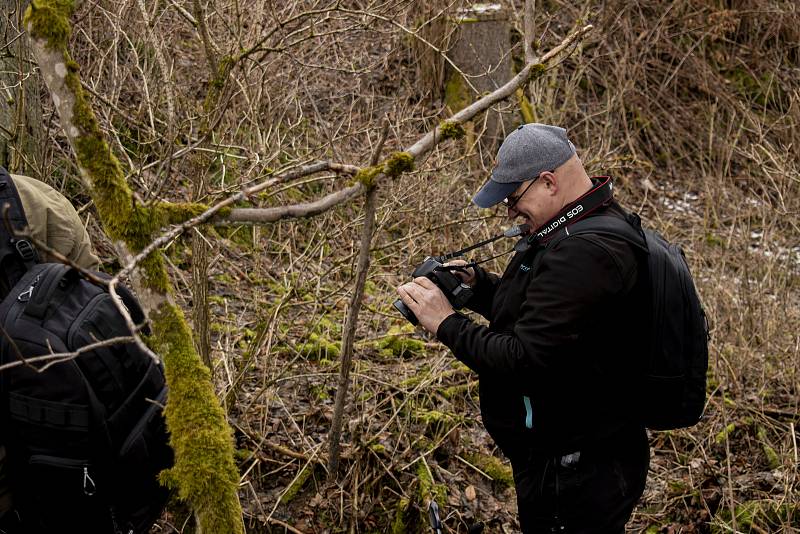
(457,292)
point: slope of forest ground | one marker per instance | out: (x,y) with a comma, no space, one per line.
(692,105)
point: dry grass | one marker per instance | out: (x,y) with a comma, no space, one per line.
(693,105)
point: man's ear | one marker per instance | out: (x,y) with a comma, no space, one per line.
(550,182)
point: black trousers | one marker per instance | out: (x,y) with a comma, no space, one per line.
(585,492)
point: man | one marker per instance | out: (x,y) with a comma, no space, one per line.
(558,361)
(53,221)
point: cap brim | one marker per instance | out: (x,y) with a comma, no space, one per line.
(493,193)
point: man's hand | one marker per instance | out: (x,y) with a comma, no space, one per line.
(466,274)
(427,302)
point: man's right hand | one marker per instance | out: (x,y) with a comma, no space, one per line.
(466,274)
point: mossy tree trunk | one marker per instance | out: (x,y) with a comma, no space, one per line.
(21,131)
(204,474)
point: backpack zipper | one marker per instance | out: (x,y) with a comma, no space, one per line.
(26,295)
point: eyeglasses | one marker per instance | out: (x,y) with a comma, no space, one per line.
(511,200)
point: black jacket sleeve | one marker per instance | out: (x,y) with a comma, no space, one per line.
(568,288)
(483,292)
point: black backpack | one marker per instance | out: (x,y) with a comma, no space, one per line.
(673,389)
(84,433)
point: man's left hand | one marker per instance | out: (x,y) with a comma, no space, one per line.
(427,302)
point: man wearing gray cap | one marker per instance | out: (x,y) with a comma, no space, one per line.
(559,359)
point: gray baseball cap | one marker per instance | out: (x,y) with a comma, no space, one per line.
(527,151)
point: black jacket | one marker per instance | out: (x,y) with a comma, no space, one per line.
(558,361)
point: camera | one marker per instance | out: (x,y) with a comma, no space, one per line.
(457,292)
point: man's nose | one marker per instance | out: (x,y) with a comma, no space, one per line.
(512,212)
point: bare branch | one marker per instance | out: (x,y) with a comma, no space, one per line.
(424,145)
(59,357)
(241,195)
(308,209)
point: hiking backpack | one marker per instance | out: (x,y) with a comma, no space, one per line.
(84,433)
(673,391)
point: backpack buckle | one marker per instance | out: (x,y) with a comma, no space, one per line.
(25,250)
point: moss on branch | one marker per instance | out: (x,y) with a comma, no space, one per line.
(537,71)
(204,474)
(451,130)
(398,163)
(50,21)
(367,176)
(204,471)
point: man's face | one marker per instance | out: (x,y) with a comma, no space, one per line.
(534,201)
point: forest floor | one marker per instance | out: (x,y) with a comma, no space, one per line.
(693,106)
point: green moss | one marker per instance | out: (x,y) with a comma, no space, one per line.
(298,484)
(456,93)
(224,278)
(398,163)
(763,90)
(773,459)
(49,20)
(177,212)
(320,392)
(400,522)
(397,343)
(459,390)
(428,489)
(537,71)
(758,516)
(525,107)
(451,130)
(500,472)
(724,433)
(204,473)
(436,421)
(415,380)
(367,176)
(318,348)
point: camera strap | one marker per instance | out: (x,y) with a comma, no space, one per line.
(601,194)
(514,231)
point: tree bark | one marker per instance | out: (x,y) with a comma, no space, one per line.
(529,37)
(351,321)
(204,474)
(21,130)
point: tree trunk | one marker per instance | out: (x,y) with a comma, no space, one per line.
(481,53)
(204,474)
(21,131)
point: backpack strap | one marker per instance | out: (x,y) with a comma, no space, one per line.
(17,255)
(629,229)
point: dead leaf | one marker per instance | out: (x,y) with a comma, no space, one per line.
(469,493)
